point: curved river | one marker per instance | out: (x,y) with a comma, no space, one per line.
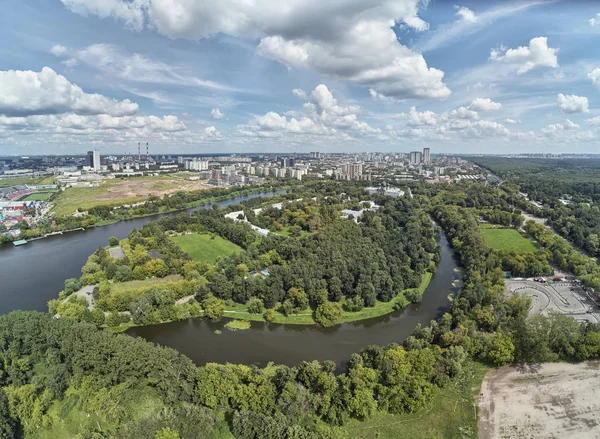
(33,274)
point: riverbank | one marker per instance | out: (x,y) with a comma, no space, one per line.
(238,311)
(34,235)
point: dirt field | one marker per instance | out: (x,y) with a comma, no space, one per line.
(135,188)
(554,400)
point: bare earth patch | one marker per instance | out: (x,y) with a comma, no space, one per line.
(135,188)
(551,400)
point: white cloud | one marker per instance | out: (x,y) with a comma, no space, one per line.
(594,75)
(129,11)
(466,14)
(484,104)
(322,116)
(595,121)
(24,93)
(415,118)
(58,50)
(595,21)
(511,121)
(469,23)
(215,113)
(299,93)
(524,59)
(350,39)
(461,113)
(136,67)
(70,63)
(559,128)
(570,104)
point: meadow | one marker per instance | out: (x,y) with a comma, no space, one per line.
(507,239)
(206,248)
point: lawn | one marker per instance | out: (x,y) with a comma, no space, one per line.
(205,248)
(38,196)
(50,179)
(507,239)
(451,415)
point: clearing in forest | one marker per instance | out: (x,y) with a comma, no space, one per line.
(206,248)
(507,239)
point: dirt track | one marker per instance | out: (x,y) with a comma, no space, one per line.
(553,400)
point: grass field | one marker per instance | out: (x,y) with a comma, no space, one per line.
(507,239)
(202,248)
(4,182)
(451,416)
(37,196)
(138,284)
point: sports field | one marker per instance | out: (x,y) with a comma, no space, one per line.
(38,196)
(204,248)
(507,239)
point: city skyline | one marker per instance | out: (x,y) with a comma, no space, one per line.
(472,77)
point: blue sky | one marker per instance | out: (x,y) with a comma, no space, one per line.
(193,76)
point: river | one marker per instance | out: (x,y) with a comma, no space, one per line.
(292,344)
(33,274)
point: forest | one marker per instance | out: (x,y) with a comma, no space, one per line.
(61,373)
(325,264)
(568,189)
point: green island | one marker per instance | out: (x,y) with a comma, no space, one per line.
(70,377)
(235,262)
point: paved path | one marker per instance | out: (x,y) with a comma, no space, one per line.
(86,292)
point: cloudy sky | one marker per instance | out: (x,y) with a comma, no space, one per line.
(199,76)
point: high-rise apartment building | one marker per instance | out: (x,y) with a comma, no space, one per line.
(426,155)
(415,157)
(92,160)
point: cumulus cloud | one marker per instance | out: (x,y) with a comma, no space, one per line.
(58,50)
(461,113)
(322,116)
(215,113)
(511,121)
(24,93)
(70,63)
(526,58)
(594,75)
(415,118)
(570,104)
(595,21)
(484,104)
(465,14)
(299,93)
(595,121)
(559,127)
(350,39)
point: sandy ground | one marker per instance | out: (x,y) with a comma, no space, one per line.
(553,400)
(139,188)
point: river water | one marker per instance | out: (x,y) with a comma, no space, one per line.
(33,274)
(291,344)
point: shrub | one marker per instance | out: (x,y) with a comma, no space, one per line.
(354,304)
(328,314)
(255,306)
(113,241)
(269,315)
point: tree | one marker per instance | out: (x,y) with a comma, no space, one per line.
(213,307)
(328,314)
(72,285)
(113,241)
(8,426)
(167,433)
(269,315)
(255,305)
(501,349)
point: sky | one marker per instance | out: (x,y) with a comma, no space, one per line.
(199,76)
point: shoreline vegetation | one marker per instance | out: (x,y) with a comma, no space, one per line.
(97,216)
(234,312)
(205,265)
